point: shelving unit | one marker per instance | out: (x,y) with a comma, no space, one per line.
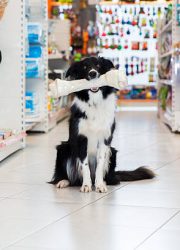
(169,104)
(43,119)
(12,77)
(37,84)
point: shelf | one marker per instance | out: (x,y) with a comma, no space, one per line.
(167,119)
(125,3)
(11,145)
(150,84)
(54,56)
(34,119)
(169,53)
(165,81)
(7,151)
(12,139)
(29,125)
(167,27)
(60,4)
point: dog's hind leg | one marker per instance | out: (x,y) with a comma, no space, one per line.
(63,184)
(60,177)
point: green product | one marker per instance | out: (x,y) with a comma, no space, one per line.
(163,94)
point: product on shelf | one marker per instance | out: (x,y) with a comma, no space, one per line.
(34,31)
(5,133)
(166,42)
(165,96)
(34,51)
(34,68)
(138,93)
(3,4)
(32,104)
(9,136)
(165,68)
(167,17)
(178,14)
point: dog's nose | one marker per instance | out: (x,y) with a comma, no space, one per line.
(92,74)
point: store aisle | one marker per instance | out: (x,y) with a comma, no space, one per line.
(142,215)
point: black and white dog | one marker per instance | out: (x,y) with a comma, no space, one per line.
(87,158)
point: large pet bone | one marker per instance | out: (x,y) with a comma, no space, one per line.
(114,78)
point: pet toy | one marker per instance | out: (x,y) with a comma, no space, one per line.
(114,78)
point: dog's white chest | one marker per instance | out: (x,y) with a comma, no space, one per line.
(100,117)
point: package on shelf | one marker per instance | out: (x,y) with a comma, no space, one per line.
(32,103)
(165,68)
(5,133)
(34,51)
(166,42)
(3,4)
(34,68)
(62,11)
(135,93)
(165,97)
(34,33)
(178,14)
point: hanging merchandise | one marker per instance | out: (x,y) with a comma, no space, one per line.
(133,39)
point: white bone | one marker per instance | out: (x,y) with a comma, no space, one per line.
(114,78)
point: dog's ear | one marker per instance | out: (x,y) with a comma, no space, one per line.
(72,72)
(105,64)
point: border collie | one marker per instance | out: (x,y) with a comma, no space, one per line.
(87,158)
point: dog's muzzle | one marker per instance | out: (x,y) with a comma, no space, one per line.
(93,74)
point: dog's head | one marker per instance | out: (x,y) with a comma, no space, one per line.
(89,68)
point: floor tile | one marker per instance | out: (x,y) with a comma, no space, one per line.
(30,248)
(68,195)
(138,197)
(9,189)
(162,240)
(14,229)
(31,209)
(73,236)
(173,224)
(114,215)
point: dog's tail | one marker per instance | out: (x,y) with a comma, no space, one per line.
(138,174)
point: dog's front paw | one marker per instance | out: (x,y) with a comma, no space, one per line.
(63,184)
(86,188)
(101,188)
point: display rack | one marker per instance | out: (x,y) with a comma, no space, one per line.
(37,65)
(12,77)
(169,68)
(40,116)
(128,36)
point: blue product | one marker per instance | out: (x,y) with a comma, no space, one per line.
(32,69)
(30,102)
(35,52)
(34,33)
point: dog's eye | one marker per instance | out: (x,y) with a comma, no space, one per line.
(98,66)
(85,67)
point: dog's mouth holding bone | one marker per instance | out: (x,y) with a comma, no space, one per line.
(90,77)
(92,74)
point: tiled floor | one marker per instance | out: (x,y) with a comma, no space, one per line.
(143,215)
